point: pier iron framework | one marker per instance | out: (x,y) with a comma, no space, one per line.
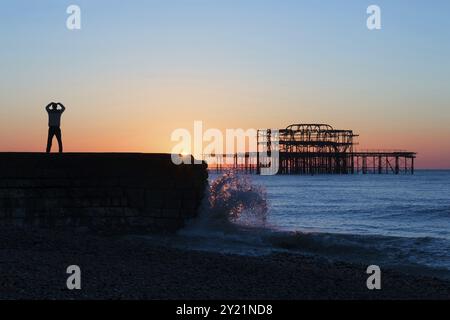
(314,149)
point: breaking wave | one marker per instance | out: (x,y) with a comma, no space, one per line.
(232,200)
(236,198)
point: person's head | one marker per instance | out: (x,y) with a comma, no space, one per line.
(54,106)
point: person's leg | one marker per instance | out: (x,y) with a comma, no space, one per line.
(59,138)
(49,139)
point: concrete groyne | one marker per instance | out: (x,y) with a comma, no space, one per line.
(102,191)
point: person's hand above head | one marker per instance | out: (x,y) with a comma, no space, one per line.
(50,106)
(62,106)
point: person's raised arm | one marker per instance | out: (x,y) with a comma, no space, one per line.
(62,107)
(47,108)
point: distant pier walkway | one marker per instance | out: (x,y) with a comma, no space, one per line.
(364,162)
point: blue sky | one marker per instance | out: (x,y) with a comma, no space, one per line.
(143,68)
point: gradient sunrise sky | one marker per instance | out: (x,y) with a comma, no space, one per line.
(140,69)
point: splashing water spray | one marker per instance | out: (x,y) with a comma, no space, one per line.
(232,216)
(234,198)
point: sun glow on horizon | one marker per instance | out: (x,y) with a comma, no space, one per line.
(127,86)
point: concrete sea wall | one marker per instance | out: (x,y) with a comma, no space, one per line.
(121,191)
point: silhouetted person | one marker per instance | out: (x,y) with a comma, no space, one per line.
(54,124)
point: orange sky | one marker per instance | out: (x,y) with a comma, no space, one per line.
(134,74)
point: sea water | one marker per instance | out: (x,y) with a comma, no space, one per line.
(394,221)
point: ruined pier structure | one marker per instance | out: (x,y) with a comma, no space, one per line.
(314,149)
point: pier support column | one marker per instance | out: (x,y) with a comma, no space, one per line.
(397,165)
